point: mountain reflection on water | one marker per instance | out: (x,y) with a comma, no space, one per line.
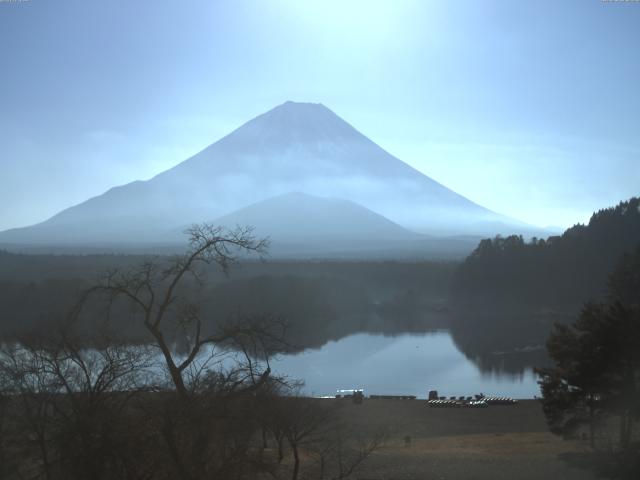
(407,364)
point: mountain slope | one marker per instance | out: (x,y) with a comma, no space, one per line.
(300,225)
(294,147)
(301,216)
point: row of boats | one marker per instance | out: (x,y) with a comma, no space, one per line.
(477,401)
(470,402)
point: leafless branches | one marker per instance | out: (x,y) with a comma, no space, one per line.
(70,405)
(101,408)
(341,452)
(152,288)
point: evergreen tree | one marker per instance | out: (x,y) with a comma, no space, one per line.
(596,372)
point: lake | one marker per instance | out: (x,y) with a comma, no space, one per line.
(408,364)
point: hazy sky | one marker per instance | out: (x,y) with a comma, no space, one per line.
(530,108)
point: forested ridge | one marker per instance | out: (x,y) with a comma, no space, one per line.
(508,293)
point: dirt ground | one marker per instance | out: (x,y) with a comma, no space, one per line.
(498,442)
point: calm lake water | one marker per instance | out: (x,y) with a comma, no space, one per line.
(408,364)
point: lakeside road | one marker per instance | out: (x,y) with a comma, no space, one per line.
(497,442)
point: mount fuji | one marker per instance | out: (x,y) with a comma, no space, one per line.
(295,147)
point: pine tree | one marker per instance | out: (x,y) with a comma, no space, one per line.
(596,370)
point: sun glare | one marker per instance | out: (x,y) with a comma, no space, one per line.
(357,20)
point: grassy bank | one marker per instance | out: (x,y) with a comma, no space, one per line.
(498,442)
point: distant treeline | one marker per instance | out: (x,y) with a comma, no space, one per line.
(319,301)
(509,292)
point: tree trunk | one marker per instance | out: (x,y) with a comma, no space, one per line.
(280,449)
(591,423)
(624,430)
(176,374)
(176,377)
(296,461)
(629,429)
(42,443)
(174,452)
(322,467)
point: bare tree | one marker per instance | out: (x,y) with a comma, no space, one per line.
(341,451)
(96,406)
(152,288)
(6,465)
(273,417)
(70,405)
(214,368)
(304,422)
(321,445)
